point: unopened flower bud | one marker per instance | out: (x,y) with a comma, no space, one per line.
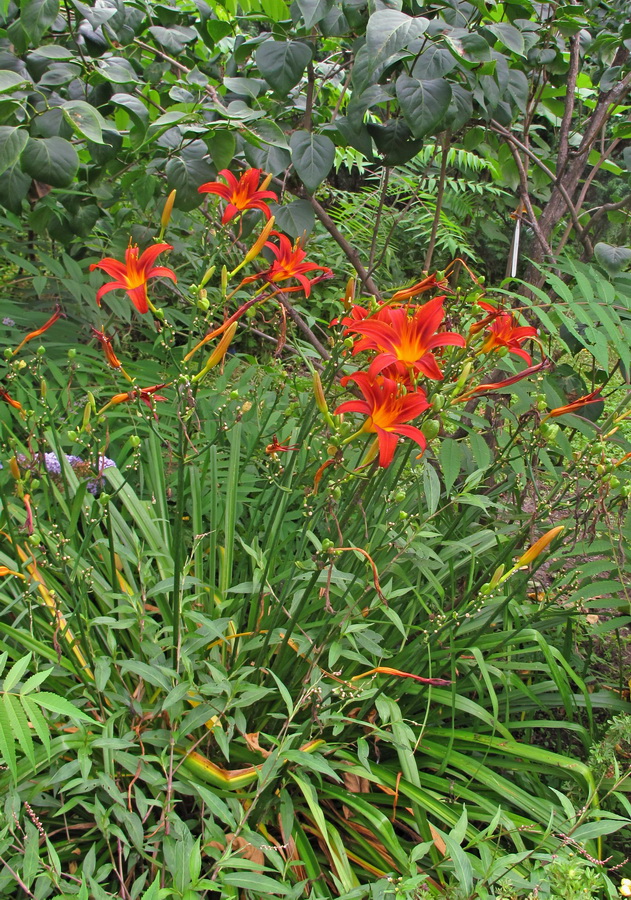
(7,353)
(430,428)
(208,274)
(72,353)
(134,441)
(41,350)
(168,209)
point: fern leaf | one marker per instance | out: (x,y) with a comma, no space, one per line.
(37,720)
(7,740)
(16,672)
(20,726)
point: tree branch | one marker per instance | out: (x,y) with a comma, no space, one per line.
(570,99)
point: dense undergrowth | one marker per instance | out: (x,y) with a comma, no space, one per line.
(314,561)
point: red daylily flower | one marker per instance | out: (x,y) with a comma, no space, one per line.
(405,341)
(426,284)
(108,350)
(289,264)
(241,195)
(132,275)
(388,409)
(505,332)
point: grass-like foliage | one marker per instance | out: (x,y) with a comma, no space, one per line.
(303,622)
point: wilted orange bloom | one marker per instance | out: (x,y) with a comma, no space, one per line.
(493,313)
(132,275)
(4,395)
(241,195)
(289,264)
(33,334)
(147,395)
(277,447)
(505,332)
(386,670)
(426,284)
(106,344)
(405,341)
(593,397)
(506,382)
(388,408)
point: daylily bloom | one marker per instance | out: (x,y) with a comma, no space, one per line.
(33,334)
(241,195)
(289,264)
(538,547)
(132,275)
(505,332)
(387,409)
(405,342)
(593,397)
(493,313)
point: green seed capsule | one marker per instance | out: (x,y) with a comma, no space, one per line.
(134,440)
(430,428)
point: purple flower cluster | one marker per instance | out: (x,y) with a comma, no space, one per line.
(81,468)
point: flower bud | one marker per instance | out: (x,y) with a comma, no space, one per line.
(538,547)
(167,210)
(7,353)
(72,353)
(134,441)
(41,350)
(430,428)
(208,274)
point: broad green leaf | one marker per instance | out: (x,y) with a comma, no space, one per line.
(276,10)
(10,80)
(255,881)
(51,160)
(295,218)
(313,11)
(508,35)
(423,103)
(134,106)
(85,120)
(56,704)
(36,17)
(460,109)
(389,31)
(185,173)
(12,143)
(313,156)
(118,70)
(613,259)
(394,141)
(222,146)
(282,63)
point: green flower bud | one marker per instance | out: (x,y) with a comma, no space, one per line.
(134,441)
(72,353)
(41,350)
(430,428)
(7,353)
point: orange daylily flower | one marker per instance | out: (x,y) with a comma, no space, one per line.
(504,331)
(132,275)
(593,397)
(241,195)
(405,342)
(38,331)
(4,570)
(388,408)
(289,264)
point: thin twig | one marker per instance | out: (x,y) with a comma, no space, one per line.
(439,201)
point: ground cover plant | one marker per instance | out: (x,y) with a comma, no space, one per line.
(314,555)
